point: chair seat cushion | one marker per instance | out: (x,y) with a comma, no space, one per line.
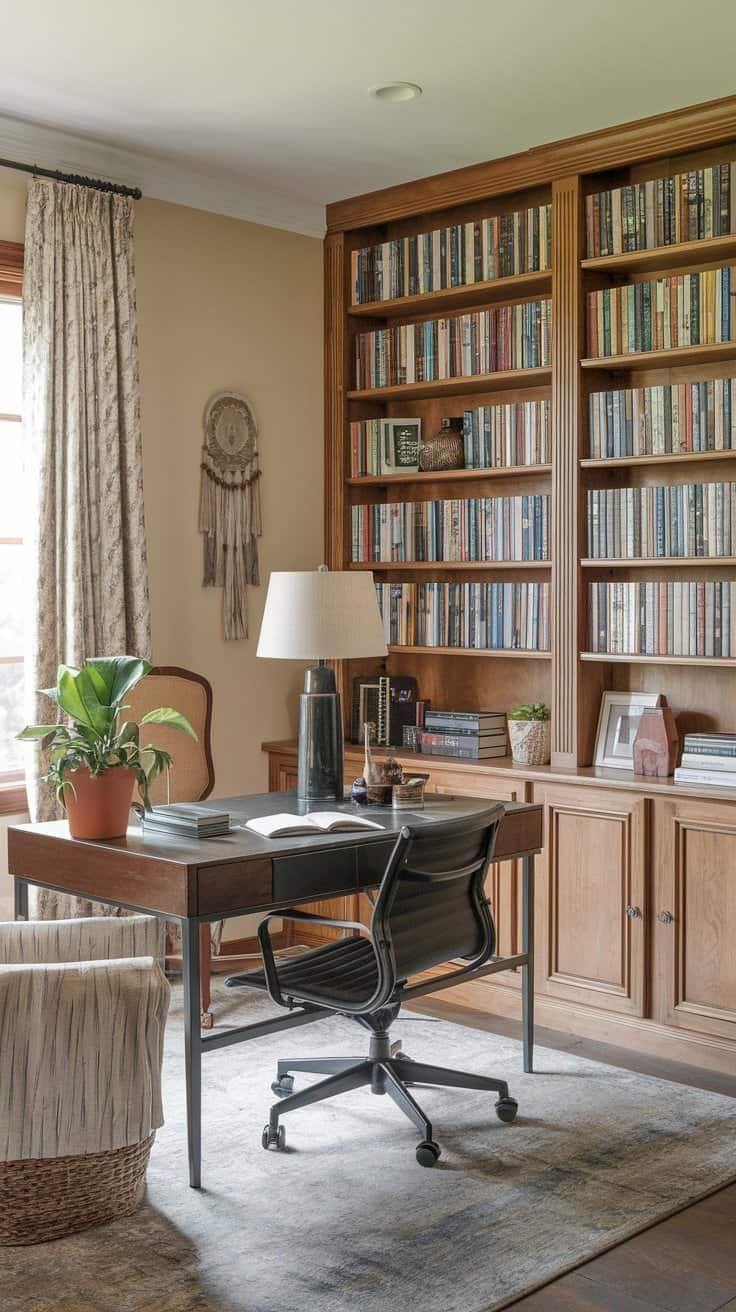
(341,971)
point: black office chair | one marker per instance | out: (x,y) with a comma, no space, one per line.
(430,909)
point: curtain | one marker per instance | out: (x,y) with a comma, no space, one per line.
(87,589)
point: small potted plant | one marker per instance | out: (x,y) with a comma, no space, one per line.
(97,758)
(529,733)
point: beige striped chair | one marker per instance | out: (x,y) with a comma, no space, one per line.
(83,1007)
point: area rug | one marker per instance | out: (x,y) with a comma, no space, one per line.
(346,1221)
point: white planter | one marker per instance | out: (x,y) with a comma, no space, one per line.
(530,741)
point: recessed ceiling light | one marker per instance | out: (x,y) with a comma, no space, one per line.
(397,91)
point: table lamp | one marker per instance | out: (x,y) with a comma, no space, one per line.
(321,615)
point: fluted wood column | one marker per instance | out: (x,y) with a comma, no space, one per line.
(567,497)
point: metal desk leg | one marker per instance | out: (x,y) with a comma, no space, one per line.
(527,971)
(192,1047)
(20,898)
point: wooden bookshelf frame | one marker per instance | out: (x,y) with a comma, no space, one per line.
(563,173)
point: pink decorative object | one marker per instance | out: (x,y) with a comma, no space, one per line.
(656,743)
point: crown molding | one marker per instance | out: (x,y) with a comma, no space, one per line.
(159,177)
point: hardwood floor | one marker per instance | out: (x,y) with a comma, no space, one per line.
(684,1264)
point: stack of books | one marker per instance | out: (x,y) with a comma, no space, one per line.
(482,342)
(665,420)
(474,616)
(519,433)
(708,758)
(473,735)
(664,619)
(186,820)
(686,519)
(687,207)
(475,528)
(458,256)
(686,309)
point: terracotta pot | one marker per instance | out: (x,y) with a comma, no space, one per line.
(99,805)
(530,741)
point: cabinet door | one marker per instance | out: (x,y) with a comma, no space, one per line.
(694,925)
(590,934)
(503,884)
(282,773)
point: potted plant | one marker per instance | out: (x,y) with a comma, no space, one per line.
(97,758)
(529,733)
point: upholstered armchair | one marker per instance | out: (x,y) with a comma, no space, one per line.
(83,1007)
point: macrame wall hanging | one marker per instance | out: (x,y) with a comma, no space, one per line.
(230,505)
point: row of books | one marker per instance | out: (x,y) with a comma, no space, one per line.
(456,256)
(684,207)
(519,433)
(687,519)
(476,616)
(482,342)
(663,619)
(477,528)
(663,420)
(475,735)
(708,758)
(685,309)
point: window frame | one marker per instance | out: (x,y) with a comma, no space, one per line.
(13,799)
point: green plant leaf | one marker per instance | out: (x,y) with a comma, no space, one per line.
(114,676)
(36,732)
(167,715)
(69,697)
(98,715)
(128,733)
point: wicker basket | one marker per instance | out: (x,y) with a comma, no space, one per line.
(46,1198)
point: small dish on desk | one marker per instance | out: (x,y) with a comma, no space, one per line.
(408,795)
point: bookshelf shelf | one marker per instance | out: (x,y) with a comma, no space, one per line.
(451,475)
(710,353)
(715,662)
(676,458)
(457,566)
(521,285)
(655,562)
(685,254)
(504,380)
(505,653)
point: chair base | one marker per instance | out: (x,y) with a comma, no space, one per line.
(385,1070)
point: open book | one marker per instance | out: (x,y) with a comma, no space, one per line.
(315,822)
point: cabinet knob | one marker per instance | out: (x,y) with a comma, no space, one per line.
(633,912)
(665,917)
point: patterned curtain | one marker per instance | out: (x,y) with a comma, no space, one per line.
(86,542)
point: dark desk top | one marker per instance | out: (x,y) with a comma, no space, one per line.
(241,871)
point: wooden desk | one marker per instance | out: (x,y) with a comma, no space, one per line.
(213,879)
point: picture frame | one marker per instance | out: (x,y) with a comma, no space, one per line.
(618,721)
(400,443)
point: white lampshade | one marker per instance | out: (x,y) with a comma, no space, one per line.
(321,615)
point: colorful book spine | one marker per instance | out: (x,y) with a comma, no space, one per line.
(663,619)
(365,447)
(482,250)
(473,529)
(663,211)
(687,519)
(668,420)
(481,342)
(684,309)
(473,616)
(497,436)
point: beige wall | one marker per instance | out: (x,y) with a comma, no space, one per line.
(223,304)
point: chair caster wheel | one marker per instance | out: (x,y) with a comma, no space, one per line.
(274,1138)
(283,1086)
(506,1109)
(427,1152)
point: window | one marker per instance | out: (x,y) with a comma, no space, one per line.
(11,545)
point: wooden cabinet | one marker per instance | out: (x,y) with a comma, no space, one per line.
(282,772)
(694,924)
(591,900)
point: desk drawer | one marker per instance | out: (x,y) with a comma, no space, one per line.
(234,885)
(311,876)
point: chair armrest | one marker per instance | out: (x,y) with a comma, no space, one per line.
(264,938)
(292,913)
(87,938)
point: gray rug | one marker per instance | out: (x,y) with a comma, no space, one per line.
(345,1221)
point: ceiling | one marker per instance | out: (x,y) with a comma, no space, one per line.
(263,109)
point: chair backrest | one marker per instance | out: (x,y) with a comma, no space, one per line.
(193,773)
(431,907)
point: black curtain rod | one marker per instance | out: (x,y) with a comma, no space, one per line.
(97,184)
